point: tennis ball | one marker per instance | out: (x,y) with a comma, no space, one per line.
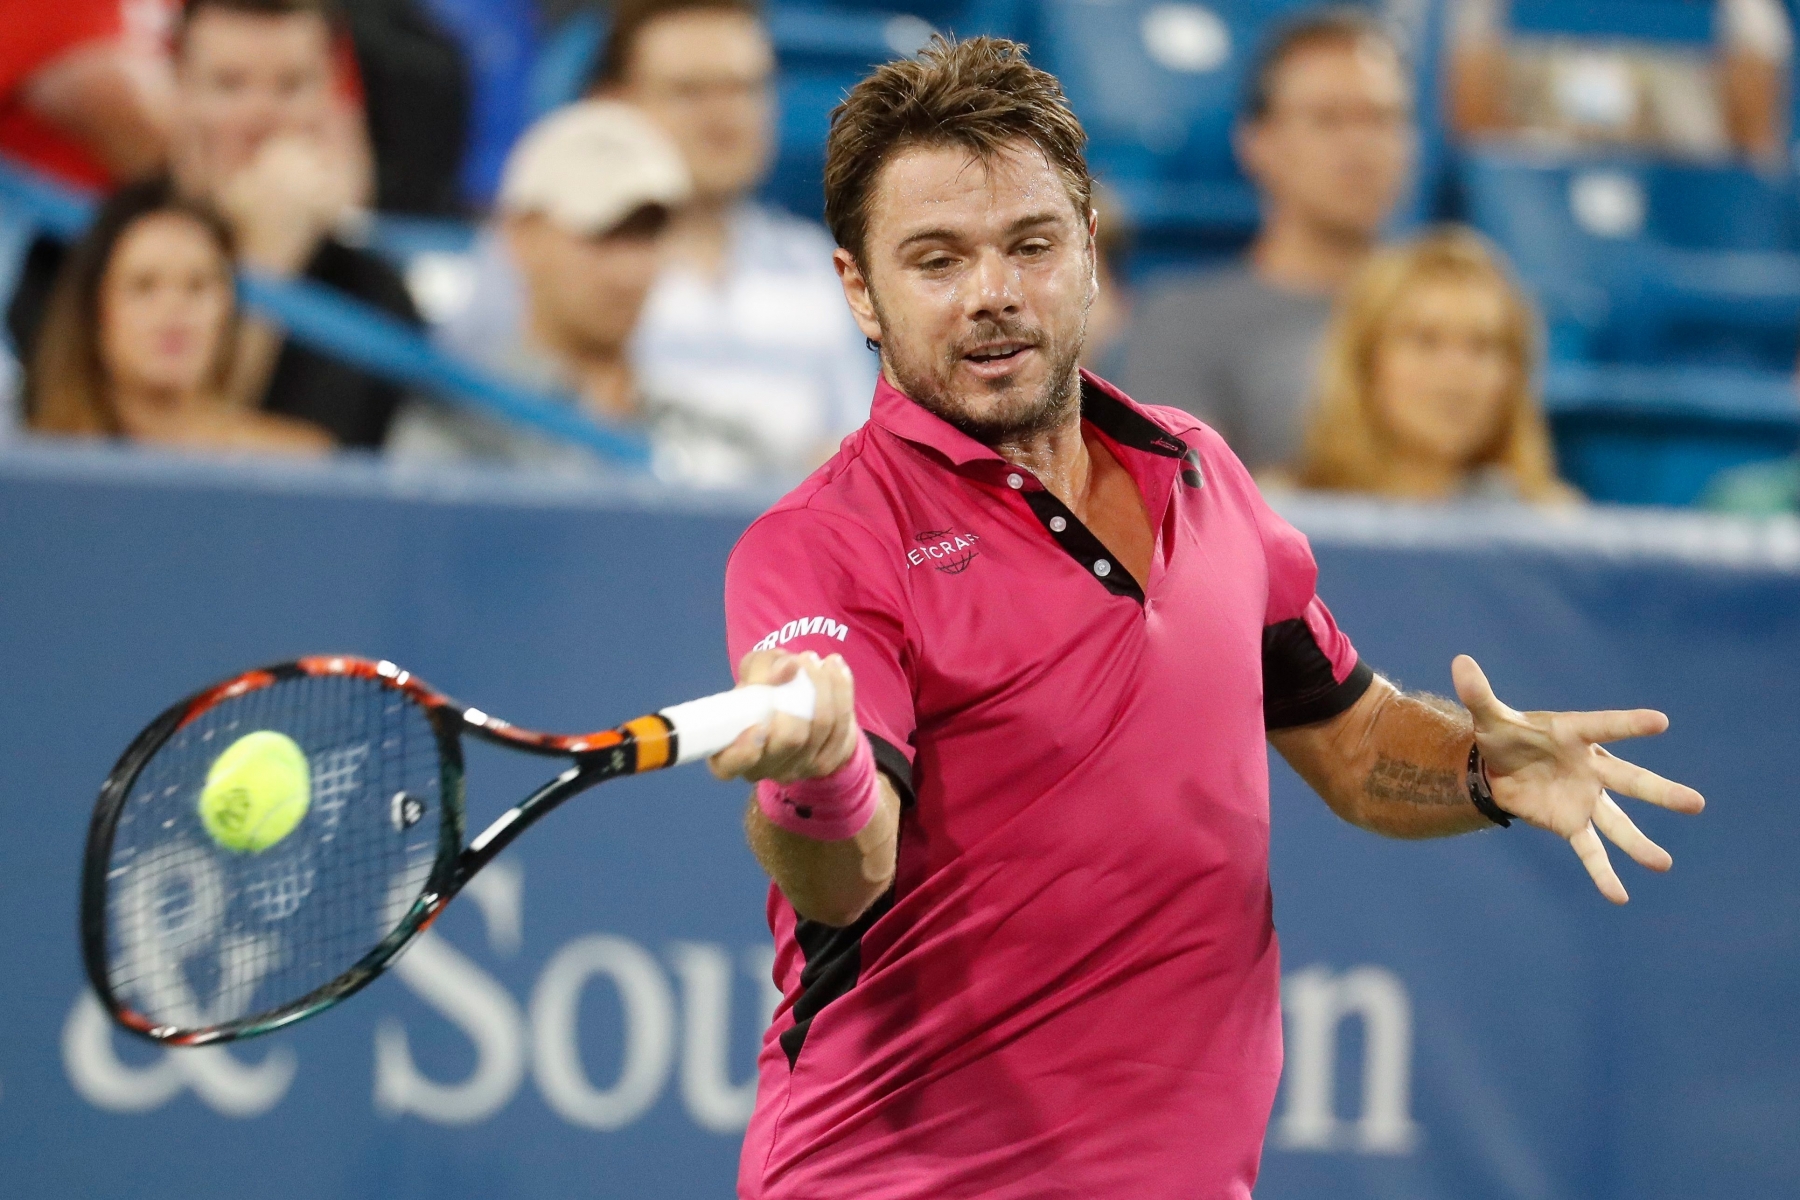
(256,792)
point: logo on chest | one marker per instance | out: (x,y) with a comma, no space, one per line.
(944,550)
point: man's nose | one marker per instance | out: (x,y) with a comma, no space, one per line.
(994,287)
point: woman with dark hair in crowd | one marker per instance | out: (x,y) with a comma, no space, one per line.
(138,339)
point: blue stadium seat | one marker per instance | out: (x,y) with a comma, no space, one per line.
(1671,294)
(499,42)
(1658,435)
(1682,21)
(1648,262)
(822,53)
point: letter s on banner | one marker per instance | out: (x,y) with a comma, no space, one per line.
(648,1035)
(473,1001)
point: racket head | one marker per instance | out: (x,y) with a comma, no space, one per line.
(188,942)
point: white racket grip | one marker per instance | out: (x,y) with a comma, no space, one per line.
(706,726)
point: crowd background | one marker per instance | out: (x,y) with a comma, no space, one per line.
(1499,268)
(1438,251)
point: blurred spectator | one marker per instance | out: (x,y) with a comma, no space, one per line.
(1756,489)
(1103,350)
(585,203)
(85,87)
(416,97)
(140,335)
(264,132)
(1568,90)
(1327,138)
(1426,385)
(747,320)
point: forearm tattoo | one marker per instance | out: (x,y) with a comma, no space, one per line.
(1396,782)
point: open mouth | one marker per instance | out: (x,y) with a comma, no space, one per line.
(1004,352)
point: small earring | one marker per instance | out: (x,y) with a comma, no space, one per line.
(873,345)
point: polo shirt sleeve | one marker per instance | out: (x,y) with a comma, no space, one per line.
(1311,672)
(802,580)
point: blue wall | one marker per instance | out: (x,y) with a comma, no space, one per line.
(1523,1038)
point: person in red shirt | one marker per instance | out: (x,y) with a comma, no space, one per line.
(1020,853)
(85,87)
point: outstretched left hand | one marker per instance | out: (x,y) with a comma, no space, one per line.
(1550,769)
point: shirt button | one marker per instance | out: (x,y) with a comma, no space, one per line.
(1102,568)
(1057,524)
(1015,480)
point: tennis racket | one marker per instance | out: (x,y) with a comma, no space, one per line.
(188,942)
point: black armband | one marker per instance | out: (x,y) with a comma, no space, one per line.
(1480,794)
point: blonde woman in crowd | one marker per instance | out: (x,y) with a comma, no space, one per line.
(137,343)
(1425,387)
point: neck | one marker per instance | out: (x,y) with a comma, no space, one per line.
(608,387)
(699,235)
(143,407)
(1305,256)
(1057,456)
(1414,476)
(601,374)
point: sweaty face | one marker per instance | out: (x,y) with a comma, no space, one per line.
(243,78)
(165,300)
(1443,368)
(978,280)
(1336,145)
(705,78)
(586,292)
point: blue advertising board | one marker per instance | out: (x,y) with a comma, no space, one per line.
(1464,1018)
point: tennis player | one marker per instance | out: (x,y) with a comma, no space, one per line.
(1020,855)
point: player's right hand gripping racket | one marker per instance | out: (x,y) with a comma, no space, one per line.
(188,940)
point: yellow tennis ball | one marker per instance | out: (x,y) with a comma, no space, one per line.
(256,792)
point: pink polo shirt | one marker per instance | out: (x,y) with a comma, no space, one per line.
(1073,987)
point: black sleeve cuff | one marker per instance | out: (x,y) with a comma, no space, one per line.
(1319,706)
(893,764)
(1299,687)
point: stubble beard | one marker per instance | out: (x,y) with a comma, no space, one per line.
(1015,418)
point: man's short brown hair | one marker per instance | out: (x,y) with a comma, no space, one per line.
(631,17)
(326,10)
(980,94)
(1336,25)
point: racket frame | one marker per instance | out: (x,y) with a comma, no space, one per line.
(647,743)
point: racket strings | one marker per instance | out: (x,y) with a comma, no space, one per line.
(199,935)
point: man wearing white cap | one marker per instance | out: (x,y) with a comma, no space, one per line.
(562,274)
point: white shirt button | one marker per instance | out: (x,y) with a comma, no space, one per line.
(1102,568)
(1015,480)
(1057,524)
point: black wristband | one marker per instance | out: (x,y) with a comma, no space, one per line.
(1480,794)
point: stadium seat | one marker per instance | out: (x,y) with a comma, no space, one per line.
(1657,435)
(1684,21)
(499,42)
(823,52)
(1671,295)
(1647,262)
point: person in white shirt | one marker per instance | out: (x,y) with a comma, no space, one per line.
(746,321)
(586,200)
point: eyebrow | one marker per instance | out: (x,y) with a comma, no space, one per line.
(1029,221)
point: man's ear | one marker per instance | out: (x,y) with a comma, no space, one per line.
(857,294)
(517,231)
